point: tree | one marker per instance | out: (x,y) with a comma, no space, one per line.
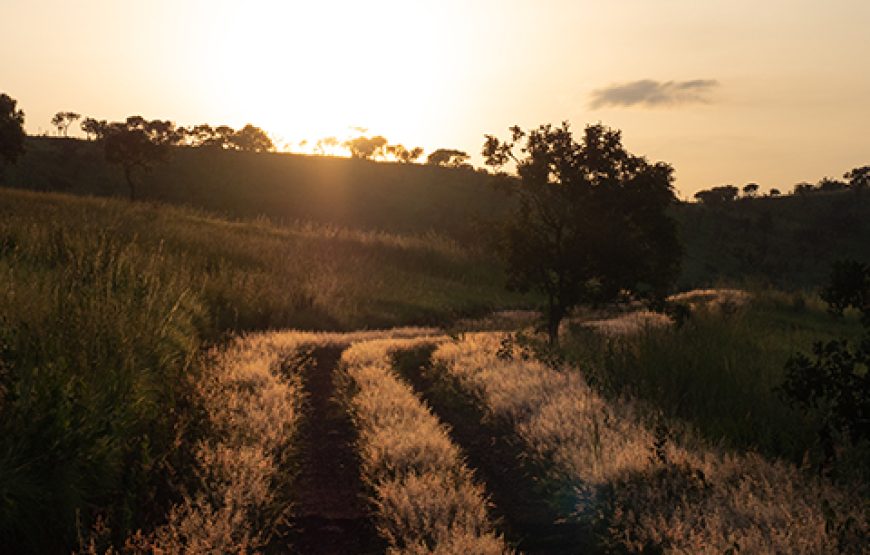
(828,185)
(859,179)
(591,220)
(91,126)
(251,139)
(750,190)
(718,195)
(138,144)
(804,188)
(448,157)
(775,192)
(62,120)
(11,129)
(366,148)
(404,155)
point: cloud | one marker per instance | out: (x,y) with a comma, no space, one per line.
(653,94)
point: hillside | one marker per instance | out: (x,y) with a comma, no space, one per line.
(284,187)
(788,241)
(105,310)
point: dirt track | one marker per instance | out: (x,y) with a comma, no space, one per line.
(331,516)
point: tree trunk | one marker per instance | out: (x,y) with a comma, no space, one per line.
(554,318)
(128,174)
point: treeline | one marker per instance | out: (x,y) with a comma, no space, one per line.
(857,180)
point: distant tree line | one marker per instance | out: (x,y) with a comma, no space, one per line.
(857,180)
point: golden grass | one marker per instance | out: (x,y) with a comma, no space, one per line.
(685,500)
(426,498)
(253,412)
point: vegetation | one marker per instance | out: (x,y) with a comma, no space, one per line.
(105,306)
(11,129)
(591,222)
(427,500)
(648,488)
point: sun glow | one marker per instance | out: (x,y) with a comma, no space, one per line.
(304,71)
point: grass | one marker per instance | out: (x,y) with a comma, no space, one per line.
(426,499)
(720,370)
(647,489)
(106,306)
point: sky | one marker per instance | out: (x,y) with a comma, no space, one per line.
(728,92)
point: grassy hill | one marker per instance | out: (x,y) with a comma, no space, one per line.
(283,187)
(105,307)
(785,242)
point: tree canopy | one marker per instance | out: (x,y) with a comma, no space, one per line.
(11,129)
(62,120)
(366,147)
(448,157)
(591,223)
(138,144)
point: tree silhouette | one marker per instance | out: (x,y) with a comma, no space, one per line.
(251,139)
(366,148)
(775,192)
(138,144)
(859,179)
(11,129)
(750,189)
(404,155)
(826,184)
(718,195)
(448,157)
(591,222)
(93,127)
(62,120)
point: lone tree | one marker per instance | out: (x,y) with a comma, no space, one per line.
(366,148)
(448,157)
(138,143)
(251,139)
(404,155)
(62,120)
(11,129)
(750,190)
(591,223)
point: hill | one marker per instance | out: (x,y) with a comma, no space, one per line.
(788,241)
(405,198)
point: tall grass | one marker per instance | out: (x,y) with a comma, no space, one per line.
(651,491)
(105,308)
(719,370)
(427,499)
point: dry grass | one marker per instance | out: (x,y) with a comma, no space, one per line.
(685,500)
(253,413)
(426,498)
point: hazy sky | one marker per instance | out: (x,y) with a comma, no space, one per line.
(773,91)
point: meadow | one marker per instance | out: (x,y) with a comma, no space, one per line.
(219,368)
(106,308)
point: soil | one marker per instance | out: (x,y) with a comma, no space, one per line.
(331,514)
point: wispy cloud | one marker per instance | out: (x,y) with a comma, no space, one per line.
(653,94)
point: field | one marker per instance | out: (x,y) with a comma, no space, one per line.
(185,376)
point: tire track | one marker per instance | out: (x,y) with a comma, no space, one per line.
(331,516)
(517,487)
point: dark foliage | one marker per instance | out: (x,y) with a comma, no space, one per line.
(138,144)
(591,221)
(11,129)
(834,383)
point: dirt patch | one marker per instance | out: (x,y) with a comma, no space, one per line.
(524,505)
(331,515)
